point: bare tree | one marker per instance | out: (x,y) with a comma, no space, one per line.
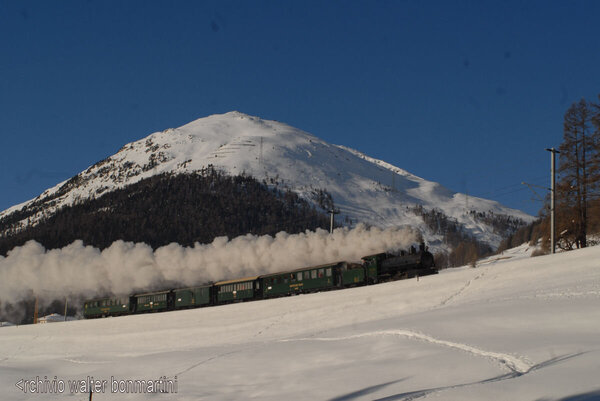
(575,181)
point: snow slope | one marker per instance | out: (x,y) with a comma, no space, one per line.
(512,329)
(364,189)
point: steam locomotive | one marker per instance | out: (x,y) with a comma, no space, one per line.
(374,269)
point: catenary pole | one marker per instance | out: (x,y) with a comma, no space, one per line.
(333,212)
(552,198)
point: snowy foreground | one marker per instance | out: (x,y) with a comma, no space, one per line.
(514,328)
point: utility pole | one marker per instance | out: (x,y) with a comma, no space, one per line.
(35,311)
(552,198)
(332,211)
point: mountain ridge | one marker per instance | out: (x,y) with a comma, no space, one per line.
(363,188)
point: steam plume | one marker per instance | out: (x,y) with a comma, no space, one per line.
(125,267)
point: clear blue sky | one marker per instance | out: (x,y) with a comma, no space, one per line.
(465,93)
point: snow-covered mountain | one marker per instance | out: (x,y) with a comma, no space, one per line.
(363,189)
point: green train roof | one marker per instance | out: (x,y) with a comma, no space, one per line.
(302,269)
(239,280)
(152,293)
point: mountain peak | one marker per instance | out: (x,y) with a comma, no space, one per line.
(364,189)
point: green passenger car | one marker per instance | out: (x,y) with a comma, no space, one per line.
(307,279)
(236,290)
(153,301)
(351,274)
(192,297)
(106,307)
(371,265)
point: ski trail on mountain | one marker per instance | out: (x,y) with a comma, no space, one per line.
(461,290)
(511,362)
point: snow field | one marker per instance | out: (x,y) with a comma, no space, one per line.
(514,328)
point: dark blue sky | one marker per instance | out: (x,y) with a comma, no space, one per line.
(465,93)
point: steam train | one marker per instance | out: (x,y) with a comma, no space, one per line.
(375,268)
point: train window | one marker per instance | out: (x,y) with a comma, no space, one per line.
(313,274)
(328,272)
(258,285)
(299,276)
(321,272)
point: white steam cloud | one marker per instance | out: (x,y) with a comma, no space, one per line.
(123,268)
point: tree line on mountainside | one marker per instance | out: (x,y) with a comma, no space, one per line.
(173,208)
(465,248)
(577,196)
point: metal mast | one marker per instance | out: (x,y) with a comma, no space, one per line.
(552,198)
